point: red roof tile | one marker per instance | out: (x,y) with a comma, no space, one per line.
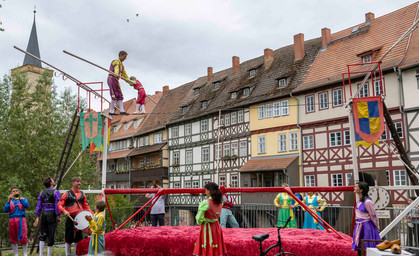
(267,164)
(115,155)
(147,149)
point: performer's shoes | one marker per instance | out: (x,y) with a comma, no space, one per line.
(123,113)
(395,249)
(387,244)
(113,114)
(136,113)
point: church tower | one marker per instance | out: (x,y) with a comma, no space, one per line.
(31,67)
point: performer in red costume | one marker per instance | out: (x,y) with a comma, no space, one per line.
(72,202)
(115,88)
(210,240)
(141,95)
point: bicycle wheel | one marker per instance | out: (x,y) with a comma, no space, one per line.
(285,253)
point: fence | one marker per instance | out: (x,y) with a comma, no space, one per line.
(247,215)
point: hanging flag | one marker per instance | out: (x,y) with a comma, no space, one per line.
(93,147)
(368,118)
(359,141)
(91,125)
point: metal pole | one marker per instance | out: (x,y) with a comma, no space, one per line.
(105,151)
(353,144)
(102,68)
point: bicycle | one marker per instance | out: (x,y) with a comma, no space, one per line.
(260,238)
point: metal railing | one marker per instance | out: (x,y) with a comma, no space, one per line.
(247,215)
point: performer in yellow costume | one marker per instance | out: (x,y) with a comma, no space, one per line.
(284,202)
(97,226)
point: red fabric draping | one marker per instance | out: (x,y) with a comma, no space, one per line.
(180,240)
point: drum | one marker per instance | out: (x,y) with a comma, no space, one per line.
(82,223)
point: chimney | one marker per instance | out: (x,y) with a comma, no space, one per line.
(209,76)
(298,46)
(268,58)
(236,64)
(157,92)
(369,17)
(326,35)
(165,89)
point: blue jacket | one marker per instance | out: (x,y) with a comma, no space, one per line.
(17,211)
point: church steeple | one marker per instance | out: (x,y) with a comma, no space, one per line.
(33,47)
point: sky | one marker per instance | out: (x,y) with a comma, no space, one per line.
(170,42)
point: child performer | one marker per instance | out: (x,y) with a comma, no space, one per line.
(97,226)
(210,240)
(18,229)
(141,95)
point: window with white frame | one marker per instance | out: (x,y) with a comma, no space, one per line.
(217,85)
(243,148)
(142,162)
(127,125)
(234,149)
(205,155)
(175,132)
(222,180)
(227,119)
(400,178)
(158,138)
(282,142)
(337,97)
(152,162)
(196,91)
(363,91)
(176,157)
(116,128)
(233,95)
(137,122)
(233,118)
(282,82)
(276,108)
(234,181)
(366,59)
(204,125)
(261,111)
(188,129)
(141,141)
(285,109)
(240,116)
(347,137)
(293,140)
(227,150)
(246,91)
(218,151)
(377,87)
(195,184)
(308,142)
(309,181)
(337,180)
(187,184)
(323,100)
(204,104)
(384,135)
(176,184)
(184,109)
(310,103)
(399,129)
(348,177)
(261,144)
(268,109)
(188,156)
(252,72)
(335,139)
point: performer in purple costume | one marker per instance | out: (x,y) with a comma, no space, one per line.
(47,206)
(366,219)
(115,89)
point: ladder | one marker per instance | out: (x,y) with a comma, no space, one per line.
(68,144)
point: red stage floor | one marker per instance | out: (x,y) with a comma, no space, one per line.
(180,240)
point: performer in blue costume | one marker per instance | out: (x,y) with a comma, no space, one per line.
(317,205)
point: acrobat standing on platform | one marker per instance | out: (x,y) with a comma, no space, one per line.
(141,95)
(113,81)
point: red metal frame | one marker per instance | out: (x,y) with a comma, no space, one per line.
(165,191)
(89,92)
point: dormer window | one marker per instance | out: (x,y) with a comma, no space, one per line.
(217,85)
(366,59)
(184,109)
(196,91)
(233,95)
(252,73)
(204,104)
(246,91)
(282,82)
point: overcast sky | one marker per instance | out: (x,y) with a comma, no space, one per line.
(170,42)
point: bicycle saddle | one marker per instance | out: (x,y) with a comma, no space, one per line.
(260,238)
